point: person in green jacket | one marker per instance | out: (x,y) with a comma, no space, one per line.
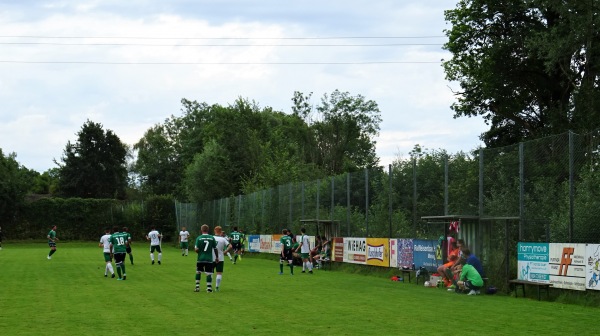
(470,279)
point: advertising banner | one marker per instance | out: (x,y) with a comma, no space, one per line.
(276,243)
(253,243)
(424,254)
(338,249)
(394,253)
(378,252)
(265,243)
(532,262)
(592,277)
(405,253)
(567,266)
(355,250)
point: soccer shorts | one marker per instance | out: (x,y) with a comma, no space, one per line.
(205,267)
(119,257)
(155,248)
(107,257)
(286,255)
(236,246)
(184,245)
(52,244)
(219,267)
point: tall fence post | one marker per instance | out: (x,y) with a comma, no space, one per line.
(571,186)
(390,200)
(332,197)
(414,168)
(521,190)
(348,204)
(367,201)
(318,196)
(446,185)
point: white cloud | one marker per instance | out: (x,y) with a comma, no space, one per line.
(45,105)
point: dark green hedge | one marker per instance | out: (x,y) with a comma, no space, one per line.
(86,219)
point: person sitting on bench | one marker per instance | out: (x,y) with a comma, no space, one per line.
(446,269)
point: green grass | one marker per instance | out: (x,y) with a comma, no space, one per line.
(69,295)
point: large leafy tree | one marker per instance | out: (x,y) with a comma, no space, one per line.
(95,165)
(344,128)
(14,184)
(529,67)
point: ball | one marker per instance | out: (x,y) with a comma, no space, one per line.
(427,284)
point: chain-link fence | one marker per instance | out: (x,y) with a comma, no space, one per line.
(550,184)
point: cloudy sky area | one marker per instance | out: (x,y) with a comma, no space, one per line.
(127,64)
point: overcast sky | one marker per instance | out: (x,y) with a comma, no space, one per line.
(128,64)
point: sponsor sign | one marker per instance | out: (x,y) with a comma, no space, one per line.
(424,254)
(393,252)
(253,243)
(378,253)
(592,273)
(532,262)
(338,249)
(265,243)
(355,250)
(567,266)
(276,243)
(405,253)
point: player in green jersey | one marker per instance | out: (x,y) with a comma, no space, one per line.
(205,246)
(126,230)
(52,239)
(286,252)
(236,243)
(118,247)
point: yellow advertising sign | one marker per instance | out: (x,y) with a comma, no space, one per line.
(378,252)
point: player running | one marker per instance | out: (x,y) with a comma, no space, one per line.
(128,248)
(52,239)
(118,247)
(236,239)
(105,243)
(154,237)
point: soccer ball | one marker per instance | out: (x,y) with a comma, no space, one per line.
(427,284)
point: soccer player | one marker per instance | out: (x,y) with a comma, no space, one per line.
(183,241)
(236,238)
(305,251)
(222,246)
(206,247)
(154,237)
(242,243)
(118,247)
(224,235)
(52,239)
(105,243)
(286,252)
(128,248)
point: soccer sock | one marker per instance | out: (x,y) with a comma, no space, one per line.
(281,267)
(310,266)
(186,251)
(304,266)
(209,281)
(152,256)
(235,256)
(159,256)
(229,255)
(119,271)
(131,258)
(52,252)
(123,268)
(197,280)
(106,270)
(292,268)
(219,277)
(110,268)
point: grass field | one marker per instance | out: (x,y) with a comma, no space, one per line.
(69,295)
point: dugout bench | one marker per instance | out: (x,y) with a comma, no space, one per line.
(516,284)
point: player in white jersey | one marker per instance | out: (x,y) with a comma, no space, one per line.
(105,243)
(305,251)
(154,237)
(224,235)
(223,246)
(183,241)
